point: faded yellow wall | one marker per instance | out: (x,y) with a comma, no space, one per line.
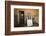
(32,12)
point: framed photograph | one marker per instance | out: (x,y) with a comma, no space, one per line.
(24,17)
